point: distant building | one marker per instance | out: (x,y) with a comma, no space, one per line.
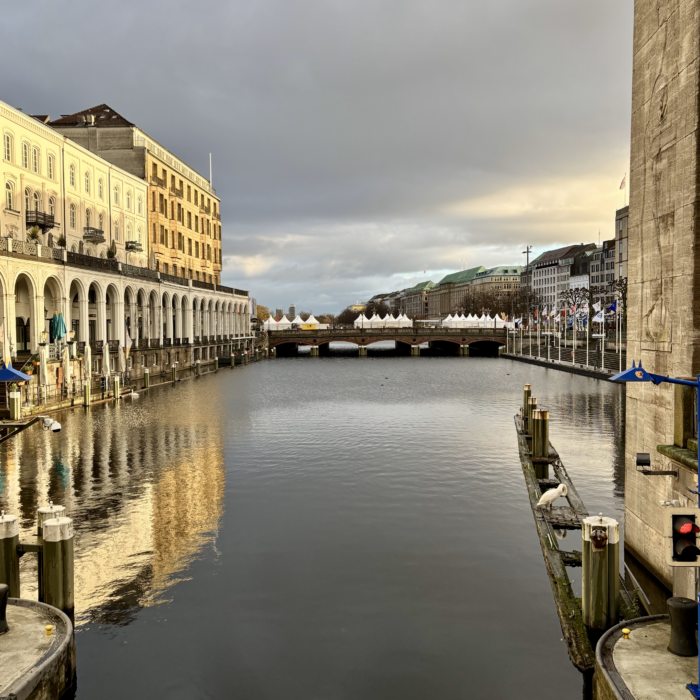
(580,277)
(449,295)
(551,272)
(357,307)
(415,300)
(292,311)
(501,281)
(621,224)
(278,313)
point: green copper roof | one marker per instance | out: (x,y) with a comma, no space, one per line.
(462,276)
(501,270)
(422,286)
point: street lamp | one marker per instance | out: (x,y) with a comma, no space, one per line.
(639,374)
(44,337)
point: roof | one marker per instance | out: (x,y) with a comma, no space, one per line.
(104,115)
(553,256)
(422,287)
(501,270)
(378,297)
(462,276)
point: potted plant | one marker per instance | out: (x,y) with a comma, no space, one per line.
(112,251)
(34,234)
(61,241)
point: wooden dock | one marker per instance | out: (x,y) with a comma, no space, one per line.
(569,517)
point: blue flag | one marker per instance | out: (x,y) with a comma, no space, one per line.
(613,307)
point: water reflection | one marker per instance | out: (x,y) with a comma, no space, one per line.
(144,487)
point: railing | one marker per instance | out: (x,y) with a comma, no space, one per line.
(185,341)
(155,342)
(113,345)
(241,292)
(46,253)
(217,216)
(24,247)
(97,345)
(175,280)
(3,243)
(159,181)
(175,192)
(40,218)
(57,253)
(143,343)
(218,338)
(196,340)
(89,261)
(93,235)
(223,288)
(205,210)
(202,285)
(135,271)
(205,339)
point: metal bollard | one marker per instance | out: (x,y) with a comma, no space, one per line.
(173,373)
(535,432)
(42,514)
(146,378)
(600,581)
(527,392)
(15,405)
(86,393)
(58,564)
(9,559)
(116,392)
(197,368)
(540,457)
(4,595)
(531,406)
(216,364)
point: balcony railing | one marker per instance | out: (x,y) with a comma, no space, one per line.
(241,292)
(40,219)
(175,192)
(185,341)
(158,181)
(167,342)
(196,340)
(113,345)
(89,261)
(202,285)
(143,343)
(96,345)
(175,280)
(93,235)
(176,342)
(217,216)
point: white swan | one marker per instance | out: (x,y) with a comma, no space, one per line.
(551,495)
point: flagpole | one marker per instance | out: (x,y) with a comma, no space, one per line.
(588,332)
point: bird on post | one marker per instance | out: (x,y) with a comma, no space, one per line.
(551,495)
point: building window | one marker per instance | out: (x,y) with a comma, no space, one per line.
(128,200)
(620,271)
(196,224)
(101,222)
(116,231)
(189,246)
(116,195)
(37,201)
(26,199)
(88,216)
(71,215)
(87,183)
(71,175)
(196,249)
(52,206)
(7,147)
(189,219)
(100,189)
(35,160)
(138,234)
(128,231)
(153,201)
(9,196)
(138,205)
(154,234)
(25,155)
(49,167)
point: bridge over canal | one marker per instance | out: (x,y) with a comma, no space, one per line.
(455,340)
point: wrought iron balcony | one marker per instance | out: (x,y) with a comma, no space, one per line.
(134,246)
(175,192)
(143,343)
(185,341)
(159,181)
(113,345)
(167,342)
(41,219)
(176,342)
(93,235)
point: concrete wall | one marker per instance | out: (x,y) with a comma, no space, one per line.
(663,258)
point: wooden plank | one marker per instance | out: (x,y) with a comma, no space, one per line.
(578,644)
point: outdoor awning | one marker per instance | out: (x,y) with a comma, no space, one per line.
(10,374)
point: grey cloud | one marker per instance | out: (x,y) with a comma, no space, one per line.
(341,130)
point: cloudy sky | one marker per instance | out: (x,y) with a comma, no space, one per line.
(357,143)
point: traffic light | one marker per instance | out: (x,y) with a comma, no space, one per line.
(682,537)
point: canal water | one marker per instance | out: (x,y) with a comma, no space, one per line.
(318,529)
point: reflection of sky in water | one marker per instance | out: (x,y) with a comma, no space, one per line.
(376,540)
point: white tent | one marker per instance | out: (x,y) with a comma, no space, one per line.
(447,321)
(311,321)
(390,321)
(404,321)
(362,322)
(297,320)
(283,324)
(375,321)
(270,324)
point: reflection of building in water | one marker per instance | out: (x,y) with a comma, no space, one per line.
(146,498)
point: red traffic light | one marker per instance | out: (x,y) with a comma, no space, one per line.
(687,528)
(684,525)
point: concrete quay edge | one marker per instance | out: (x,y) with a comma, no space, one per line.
(53,674)
(562,367)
